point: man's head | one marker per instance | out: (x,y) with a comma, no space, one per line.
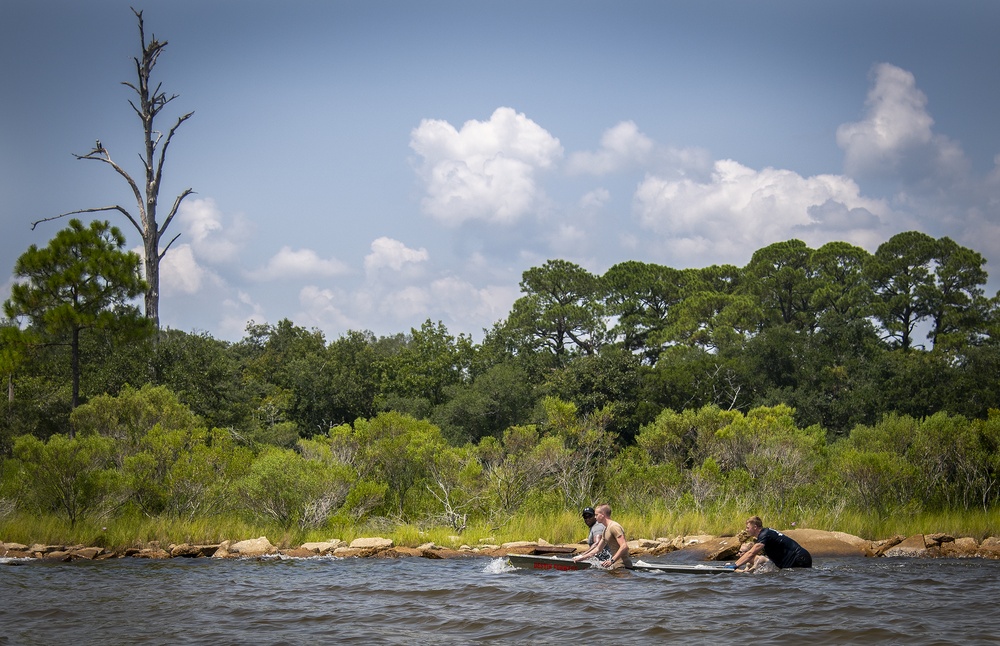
(589,517)
(603,513)
(754,525)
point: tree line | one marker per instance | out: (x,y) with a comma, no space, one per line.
(812,348)
(143,454)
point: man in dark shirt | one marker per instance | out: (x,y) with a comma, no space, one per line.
(783,551)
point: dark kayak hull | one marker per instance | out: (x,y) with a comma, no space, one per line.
(554,563)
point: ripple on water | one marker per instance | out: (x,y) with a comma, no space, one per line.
(465,600)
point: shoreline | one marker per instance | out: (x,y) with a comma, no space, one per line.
(820,543)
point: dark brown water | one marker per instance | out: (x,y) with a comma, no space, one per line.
(413,600)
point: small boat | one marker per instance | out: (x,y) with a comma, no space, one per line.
(540,562)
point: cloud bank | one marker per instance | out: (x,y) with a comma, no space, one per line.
(507,196)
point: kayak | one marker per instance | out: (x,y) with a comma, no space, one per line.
(539,562)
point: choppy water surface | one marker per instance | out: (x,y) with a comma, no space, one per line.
(415,600)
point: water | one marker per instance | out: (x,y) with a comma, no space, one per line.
(415,600)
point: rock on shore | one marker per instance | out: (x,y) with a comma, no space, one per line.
(822,544)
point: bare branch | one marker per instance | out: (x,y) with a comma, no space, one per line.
(166,144)
(173,211)
(104,156)
(164,252)
(114,207)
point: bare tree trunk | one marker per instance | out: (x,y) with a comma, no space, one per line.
(150,103)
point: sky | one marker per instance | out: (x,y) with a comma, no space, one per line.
(372,164)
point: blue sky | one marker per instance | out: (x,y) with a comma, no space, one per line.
(370,165)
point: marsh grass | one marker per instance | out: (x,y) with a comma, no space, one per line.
(552,526)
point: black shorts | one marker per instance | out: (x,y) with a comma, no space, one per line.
(803,559)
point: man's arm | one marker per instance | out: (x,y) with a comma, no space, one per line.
(754,550)
(594,549)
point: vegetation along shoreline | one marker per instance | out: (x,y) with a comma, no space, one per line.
(699,547)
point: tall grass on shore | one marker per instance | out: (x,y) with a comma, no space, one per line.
(554,527)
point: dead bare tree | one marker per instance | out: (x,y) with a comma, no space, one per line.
(150,103)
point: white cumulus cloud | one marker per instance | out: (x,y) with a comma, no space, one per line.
(487,170)
(739,209)
(467,304)
(896,135)
(211,240)
(622,146)
(180,273)
(324,309)
(392,254)
(289,263)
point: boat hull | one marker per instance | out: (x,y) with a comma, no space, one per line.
(539,562)
(557,564)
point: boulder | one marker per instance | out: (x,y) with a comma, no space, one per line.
(298,552)
(964,547)
(400,552)
(519,547)
(879,548)
(697,539)
(324,547)
(254,547)
(662,547)
(152,553)
(938,539)
(57,555)
(223,551)
(16,547)
(705,547)
(371,543)
(344,552)
(822,543)
(911,546)
(87,552)
(989,548)
(727,549)
(185,551)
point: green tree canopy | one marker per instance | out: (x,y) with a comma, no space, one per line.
(82,280)
(562,309)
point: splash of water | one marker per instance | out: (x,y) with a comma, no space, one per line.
(498,566)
